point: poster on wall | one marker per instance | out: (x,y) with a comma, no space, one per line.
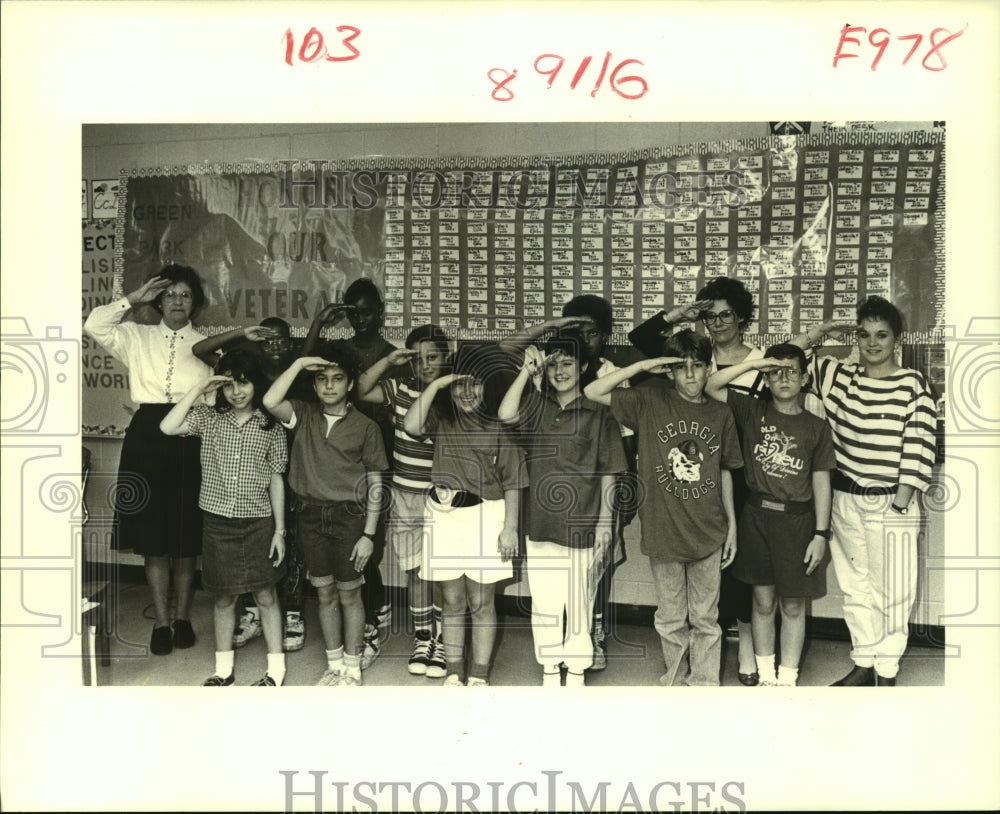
(107,407)
(810,223)
(104,198)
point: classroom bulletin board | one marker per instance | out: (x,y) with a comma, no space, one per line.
(810,223)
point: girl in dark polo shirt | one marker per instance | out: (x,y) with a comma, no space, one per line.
(574,453)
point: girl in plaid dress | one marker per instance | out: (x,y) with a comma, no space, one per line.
(243,453)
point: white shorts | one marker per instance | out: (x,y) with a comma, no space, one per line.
(464,542)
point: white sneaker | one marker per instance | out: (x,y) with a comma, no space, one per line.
(330,678)
(454,680)
(472,681)
(371,648)
(295,632)
(249,628)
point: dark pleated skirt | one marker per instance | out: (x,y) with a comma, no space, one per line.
(156,498)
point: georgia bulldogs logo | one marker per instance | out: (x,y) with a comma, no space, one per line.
(685,462)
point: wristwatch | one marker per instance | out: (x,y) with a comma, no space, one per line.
(280,531)
(900,509)
(824,533)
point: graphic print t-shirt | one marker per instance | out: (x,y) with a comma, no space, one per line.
(781,451)
(683,448)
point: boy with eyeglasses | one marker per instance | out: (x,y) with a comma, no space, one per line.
(687,447)
(785,523)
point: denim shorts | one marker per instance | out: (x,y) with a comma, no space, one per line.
(234,557)
(328,533)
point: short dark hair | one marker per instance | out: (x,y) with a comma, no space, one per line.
(277,324)
(689,345)
(876,307)
(788,351)
(362,287)
(733,292)
(341,353)
(428,333)
(571,344)
(590,305)
(242,365)
(491,365)
(180,274)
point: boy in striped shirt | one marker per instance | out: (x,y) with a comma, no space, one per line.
(428,352)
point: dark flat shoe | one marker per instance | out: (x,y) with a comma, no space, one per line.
(749,679)
(858,677)
(882,681)
(219,681)
(162,641)
(183,634)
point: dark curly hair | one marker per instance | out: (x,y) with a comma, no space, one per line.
(180,274)
(590,305)
(733,292)
(243,366)
(343,354)
(876,307)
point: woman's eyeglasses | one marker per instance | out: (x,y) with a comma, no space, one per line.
(184,296)
(726,317)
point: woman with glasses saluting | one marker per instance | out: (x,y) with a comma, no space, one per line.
(725,308)
(159,476)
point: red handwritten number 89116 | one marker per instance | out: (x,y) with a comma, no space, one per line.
(631,86)
(313,48)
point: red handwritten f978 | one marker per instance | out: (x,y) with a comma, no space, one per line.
(879,38)
(313,47)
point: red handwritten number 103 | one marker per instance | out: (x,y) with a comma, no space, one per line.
(313,47)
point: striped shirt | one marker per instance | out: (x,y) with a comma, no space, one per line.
(412,457)
(883,429)
(237,461)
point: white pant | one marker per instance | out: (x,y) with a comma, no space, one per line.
(874,553)
(557,578)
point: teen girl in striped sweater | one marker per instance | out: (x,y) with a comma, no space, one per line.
(882,417)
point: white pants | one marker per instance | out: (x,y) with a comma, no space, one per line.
(874,553)
(557,578)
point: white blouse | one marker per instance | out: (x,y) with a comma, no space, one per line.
(161,366)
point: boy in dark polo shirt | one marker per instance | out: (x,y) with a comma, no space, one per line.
(337,454)
(687,445)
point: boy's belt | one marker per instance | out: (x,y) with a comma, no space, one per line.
(785,506)
(842,483)
(460,499)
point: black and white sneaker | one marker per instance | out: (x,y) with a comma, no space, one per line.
(421,657)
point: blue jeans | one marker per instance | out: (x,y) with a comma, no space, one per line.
(687,619)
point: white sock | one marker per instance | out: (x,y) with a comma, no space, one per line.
(276,667)
(787,676)
(551,679)
(335,659)
(224,663)
(765,666)
(574,679)
(352,666)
